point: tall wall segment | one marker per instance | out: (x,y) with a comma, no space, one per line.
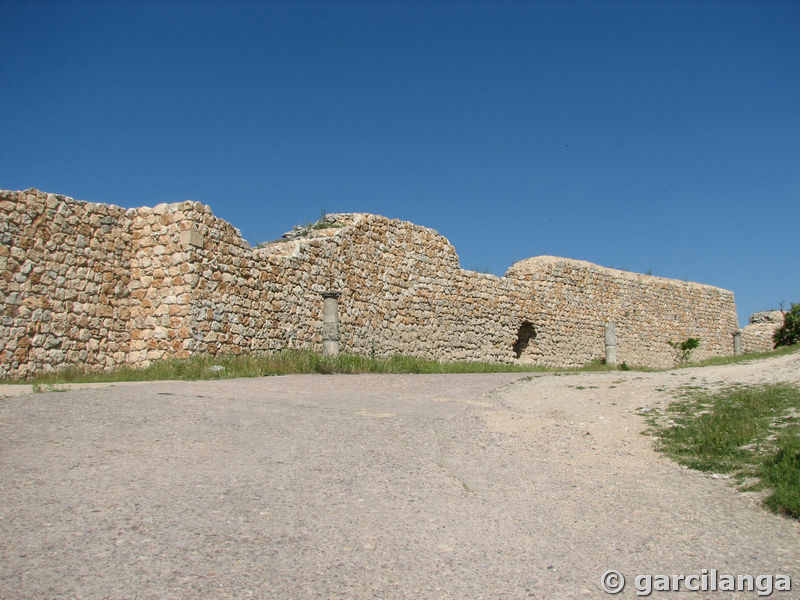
(97,285)
(64,283)
(577,298)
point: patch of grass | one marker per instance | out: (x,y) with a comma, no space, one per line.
(598,364)
(781,474)
(204,366)
(324,224)
(730,360)
(257,365)
(748,431)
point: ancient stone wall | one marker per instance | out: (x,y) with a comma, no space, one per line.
(164,276)
(758,335)
(97,285)
(575,300)
(402,292)
(64,275)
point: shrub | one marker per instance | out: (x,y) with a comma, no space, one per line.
(789,332)
(684,349)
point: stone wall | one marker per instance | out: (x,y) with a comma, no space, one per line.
(64,280)
(575,300)
(402,292)
(96,285)
(758,335)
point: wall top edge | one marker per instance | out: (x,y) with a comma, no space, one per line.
(530,268)
(166,207)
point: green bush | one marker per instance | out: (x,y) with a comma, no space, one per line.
(789,333)
(683,350)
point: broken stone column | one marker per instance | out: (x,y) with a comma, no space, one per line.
(330,323)
(611,344)
(737,342)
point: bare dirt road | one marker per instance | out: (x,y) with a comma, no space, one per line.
(369,486)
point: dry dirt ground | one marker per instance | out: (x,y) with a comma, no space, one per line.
(369,486)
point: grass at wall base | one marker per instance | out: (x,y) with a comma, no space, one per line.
(206,366)
(227,366)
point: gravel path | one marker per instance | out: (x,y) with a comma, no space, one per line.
(369,486)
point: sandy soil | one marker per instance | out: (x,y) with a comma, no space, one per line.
(370,486)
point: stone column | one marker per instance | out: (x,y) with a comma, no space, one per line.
(611,344)
(737,342)
(330,323)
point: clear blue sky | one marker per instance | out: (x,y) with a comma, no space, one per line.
(660,136)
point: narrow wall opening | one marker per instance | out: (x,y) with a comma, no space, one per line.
(525,334)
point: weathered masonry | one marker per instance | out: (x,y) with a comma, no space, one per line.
(98,285)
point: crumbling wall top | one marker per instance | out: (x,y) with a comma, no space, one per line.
(767,316)
(539,267)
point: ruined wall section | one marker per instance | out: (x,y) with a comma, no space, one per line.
(758,335)
(98,286)
(200,287)
(253,299)
(577,298)
(64,275)
(197,286)
(164,275)
(403,292)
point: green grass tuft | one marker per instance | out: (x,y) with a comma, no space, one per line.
(731,360)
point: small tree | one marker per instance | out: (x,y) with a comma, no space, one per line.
(789,332)
(684,349)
